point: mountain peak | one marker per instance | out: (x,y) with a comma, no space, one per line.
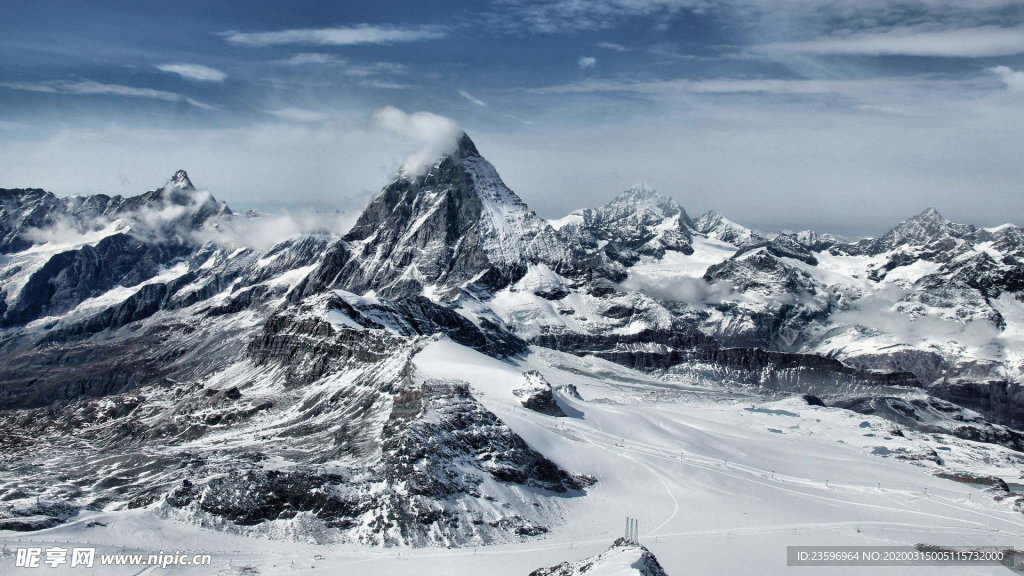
(920,230)
(436,233)
(465,148)
(180,180)
(642,189)
(644,197)
(930,215)
(715,226)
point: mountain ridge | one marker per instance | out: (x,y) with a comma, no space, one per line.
(304,355)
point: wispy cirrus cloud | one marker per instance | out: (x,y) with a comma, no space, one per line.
(30,87)
(375,69)
(554,16)
(714,86)
(299,114)
(384,84)
(976,42)
(358,70)
(725,86)
(311,58)
(90,87)
(776,19)
(473,99)
(196,72)
(338,36)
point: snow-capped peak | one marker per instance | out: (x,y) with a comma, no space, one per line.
(923,229)
(644,197)
(454,225)
(641,205)
(180,181)
(642,189)
(715,226)
(929,214)
(466,148)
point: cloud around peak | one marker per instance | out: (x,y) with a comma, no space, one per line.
(435,135)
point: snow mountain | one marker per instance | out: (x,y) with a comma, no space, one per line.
(433,376)
(452,228)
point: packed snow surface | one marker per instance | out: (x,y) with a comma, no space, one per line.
(720,482)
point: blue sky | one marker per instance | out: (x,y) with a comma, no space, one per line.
(845,115)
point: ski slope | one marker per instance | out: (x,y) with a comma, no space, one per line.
(721,482)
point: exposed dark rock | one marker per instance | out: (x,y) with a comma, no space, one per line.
(31,515)
(812,400)
(536,394)
(929,414)
(1000,401)
(975,479)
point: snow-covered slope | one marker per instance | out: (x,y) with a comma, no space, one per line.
(706,472)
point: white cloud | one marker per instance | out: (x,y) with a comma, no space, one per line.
(194,72)
(613,47)
(587,62)
(472,99)
(679,288)
(30,87)
(869,91)
(881,311)
(767,17)
(361,70)
(384,84)
(713,86)
(266,230)
(299,115)
(434,134)
(552,16)
(376,69)
(340,36)
(977,42)
(1014,79)
(89,87)
(307,58)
